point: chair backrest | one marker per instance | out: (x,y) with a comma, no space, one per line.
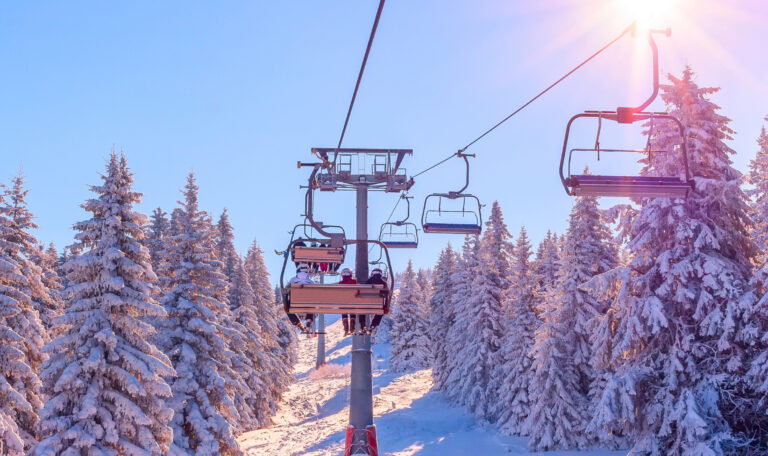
(338,299)
(303,254)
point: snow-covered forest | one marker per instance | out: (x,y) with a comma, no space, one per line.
(644,327)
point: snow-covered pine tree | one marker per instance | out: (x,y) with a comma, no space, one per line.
(442,316)
(156,231)
(748,416)
(104,378)
(205,416)
(20,345)
(286,335)
(277,333)
(462,276)
(547,260)
(24,249)
(409,334)
(512,375)
(680,322)
(482,340)
(426,292)
(560,388)
(50,305)
(225,244)
(43,285)
(256,357)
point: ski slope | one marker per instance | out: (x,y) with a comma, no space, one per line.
(410,419)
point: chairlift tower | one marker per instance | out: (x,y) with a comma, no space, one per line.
(361,171)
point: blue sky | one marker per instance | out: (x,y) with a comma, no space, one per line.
(239,91)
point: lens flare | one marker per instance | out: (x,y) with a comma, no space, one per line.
(648,13)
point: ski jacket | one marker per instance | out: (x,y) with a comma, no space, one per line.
(376,280)
(302,278)
(349,281)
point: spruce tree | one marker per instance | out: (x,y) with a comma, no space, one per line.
(682,328)
(484,330)
(277,333)
(156,231)
(104,378)
(20,342)
(462,276)
(442,316)
(205,416)
(513,373)
(748,415)
(254,362)
(23,247)
(547,260)
(409,334)
(563,377)
(225,244)
(50,305)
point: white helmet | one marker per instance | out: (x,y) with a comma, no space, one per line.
(302,267)
(346,272)
(376,271)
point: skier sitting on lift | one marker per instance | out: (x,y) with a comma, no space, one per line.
(347,320)
(299,243)
(375,279)
(302,277)
(324,269)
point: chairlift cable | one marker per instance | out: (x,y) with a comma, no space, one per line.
(359,76)
(526,104)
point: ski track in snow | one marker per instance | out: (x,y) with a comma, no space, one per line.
(410,420)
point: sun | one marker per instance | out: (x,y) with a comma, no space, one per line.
(650,13)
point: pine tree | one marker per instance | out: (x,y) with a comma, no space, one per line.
(194,338)
(156,231)
(750,410)
(462,276)
(50,305)
(410,342)
(560,388)
(681,321)
(254,361)
(485,329)
(442,316)
(20,343)
(286,334)
(547,260)
(225,244)
(277,333)
(513,373)
(25,248)
(104,378)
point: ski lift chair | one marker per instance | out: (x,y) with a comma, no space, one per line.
(464,218)
(668,186)
(400,234)
(626,186)
(357,299)
(331,251)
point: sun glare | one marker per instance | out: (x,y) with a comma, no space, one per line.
(648,13)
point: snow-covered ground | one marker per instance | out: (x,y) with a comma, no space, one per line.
(410,419)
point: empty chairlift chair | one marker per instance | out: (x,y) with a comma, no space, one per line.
(627,186)
(676,184)
(453,212)
(401,234)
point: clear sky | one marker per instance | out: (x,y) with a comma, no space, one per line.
(238,91)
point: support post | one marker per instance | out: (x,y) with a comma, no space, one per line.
(320,336)
(361,381)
